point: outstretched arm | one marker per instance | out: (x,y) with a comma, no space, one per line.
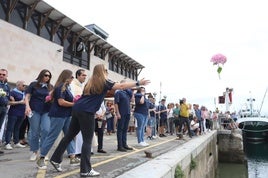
(126,85)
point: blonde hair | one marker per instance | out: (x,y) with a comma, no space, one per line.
(96,83)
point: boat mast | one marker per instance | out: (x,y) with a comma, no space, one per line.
(262,101)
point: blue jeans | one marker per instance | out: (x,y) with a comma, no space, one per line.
(201,125)
(57,124)
(13,127)
(110,124)
(39,127)
(141,123)
(153,125)
(122,128)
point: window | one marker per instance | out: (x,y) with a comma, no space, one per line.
(133,74)
(129,73)
(71,55)
(125,71)
(16,17)
(67,57)
(45,32)
(2,12)
(110,64)
(79,49)
(33,24)
(117,67)
(58,36)
(98,51)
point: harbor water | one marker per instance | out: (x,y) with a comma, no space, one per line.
(257,156)
(256,166)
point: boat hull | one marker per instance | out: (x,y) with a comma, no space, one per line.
(255,131)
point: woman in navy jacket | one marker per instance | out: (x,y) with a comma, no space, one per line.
(83,117)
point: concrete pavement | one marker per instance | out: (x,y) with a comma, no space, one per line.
(15,163)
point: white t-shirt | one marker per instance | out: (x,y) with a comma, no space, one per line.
(170,113)
(194,125)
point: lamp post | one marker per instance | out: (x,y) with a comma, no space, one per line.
(160,92)
(165,97)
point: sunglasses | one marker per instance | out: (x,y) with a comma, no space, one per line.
(3,74)
(46,75)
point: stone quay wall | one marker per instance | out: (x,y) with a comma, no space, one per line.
(230,144)
(197,157)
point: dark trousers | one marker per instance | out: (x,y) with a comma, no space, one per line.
(171,125)
(99,131)
(157,123)
(122,128)
(85,122)
(3,112)
(13,128)
(208,125)
(185,120)
(24,126)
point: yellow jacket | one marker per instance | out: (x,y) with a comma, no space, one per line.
(184,111)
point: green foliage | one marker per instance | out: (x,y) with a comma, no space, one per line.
(179,172)
(219,70)
(193,163)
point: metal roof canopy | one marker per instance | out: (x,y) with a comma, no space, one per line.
(55,15)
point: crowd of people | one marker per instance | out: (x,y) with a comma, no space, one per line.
(42,111)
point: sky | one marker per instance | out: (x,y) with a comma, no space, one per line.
(176,39)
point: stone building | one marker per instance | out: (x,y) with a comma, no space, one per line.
(36,36)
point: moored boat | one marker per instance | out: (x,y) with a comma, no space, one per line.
(254,129)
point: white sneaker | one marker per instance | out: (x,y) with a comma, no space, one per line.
(57,166)
(33,157)
(92,173)
(41,164)
(8,147)
(143,144)
(147,144)
(18,145)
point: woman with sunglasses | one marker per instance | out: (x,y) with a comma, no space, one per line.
(60,117)
(83,114)
(37,110)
